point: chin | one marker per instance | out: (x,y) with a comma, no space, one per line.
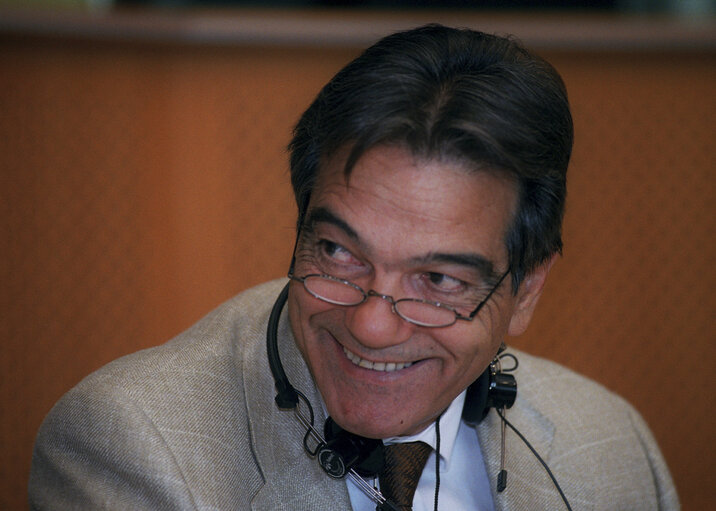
(371,423)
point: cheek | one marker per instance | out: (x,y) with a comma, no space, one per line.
(473,345)
(469,351)
(302,307)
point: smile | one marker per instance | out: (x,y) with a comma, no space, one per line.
(375,366)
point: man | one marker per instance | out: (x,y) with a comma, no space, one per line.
(430,181)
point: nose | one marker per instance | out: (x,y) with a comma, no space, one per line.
(374,324)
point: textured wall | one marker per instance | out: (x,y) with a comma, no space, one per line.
(141,185)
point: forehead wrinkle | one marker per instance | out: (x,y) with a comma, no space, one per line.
(395,204)
(381,202)
(393,194)
(332,174)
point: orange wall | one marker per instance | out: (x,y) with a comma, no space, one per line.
(143,184)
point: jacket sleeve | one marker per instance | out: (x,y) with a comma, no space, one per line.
(97,450)
(668,499)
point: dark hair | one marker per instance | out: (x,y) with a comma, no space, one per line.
(458,94)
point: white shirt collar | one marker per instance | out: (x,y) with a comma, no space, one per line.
(449,424)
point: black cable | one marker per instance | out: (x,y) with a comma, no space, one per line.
(287,397)
(514,359)
(437,461)
(539,458)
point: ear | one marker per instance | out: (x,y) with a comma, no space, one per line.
(527,297)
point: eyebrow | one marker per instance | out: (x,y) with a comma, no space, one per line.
(324,215)
(483,266)
(477,262)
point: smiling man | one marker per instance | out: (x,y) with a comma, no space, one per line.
(415,228)
(430,178)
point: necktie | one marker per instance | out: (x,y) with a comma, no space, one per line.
(403,465)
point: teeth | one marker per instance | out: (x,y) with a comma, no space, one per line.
(375,366)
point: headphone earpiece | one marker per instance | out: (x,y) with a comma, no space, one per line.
(493,389)
(502,391)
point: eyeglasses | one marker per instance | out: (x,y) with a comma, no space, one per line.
(419,312)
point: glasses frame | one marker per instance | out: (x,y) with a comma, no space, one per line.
(393,301)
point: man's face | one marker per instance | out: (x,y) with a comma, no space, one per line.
(403,227)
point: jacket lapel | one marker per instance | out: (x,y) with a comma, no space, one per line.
(528,485)
(292,479)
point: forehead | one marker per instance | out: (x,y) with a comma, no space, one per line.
(394,199)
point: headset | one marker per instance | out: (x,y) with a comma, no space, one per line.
(341,453)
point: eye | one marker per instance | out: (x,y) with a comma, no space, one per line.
(445,283)
(336,253)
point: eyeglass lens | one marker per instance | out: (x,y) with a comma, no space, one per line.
(333,290)
(427,314)
(340,292)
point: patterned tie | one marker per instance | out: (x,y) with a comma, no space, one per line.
(403,465)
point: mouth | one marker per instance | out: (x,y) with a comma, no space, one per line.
(375,366)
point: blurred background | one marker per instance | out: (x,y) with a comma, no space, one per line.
(143,181)
(694,7)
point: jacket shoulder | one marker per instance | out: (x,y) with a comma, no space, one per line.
(597,437)
(143,431)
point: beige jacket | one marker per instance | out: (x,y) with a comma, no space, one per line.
(192,424)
